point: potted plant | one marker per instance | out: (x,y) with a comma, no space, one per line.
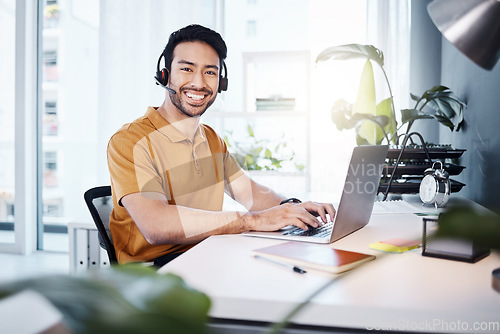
(374,122)
(271,162)
(256,154)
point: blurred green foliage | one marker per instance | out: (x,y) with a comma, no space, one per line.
(121,299)
(483,228)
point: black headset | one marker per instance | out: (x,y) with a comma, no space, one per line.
(162,77)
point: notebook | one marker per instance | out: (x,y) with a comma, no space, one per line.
(310,256)
(356,203)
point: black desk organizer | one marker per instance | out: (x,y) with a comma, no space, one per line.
(405,166)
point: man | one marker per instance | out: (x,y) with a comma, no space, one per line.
(169,172)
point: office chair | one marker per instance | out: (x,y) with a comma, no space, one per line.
(99,202)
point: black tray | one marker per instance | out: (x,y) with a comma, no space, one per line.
(412,186)
(418,168)
(437,152)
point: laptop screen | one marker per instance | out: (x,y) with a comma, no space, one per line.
(360,189)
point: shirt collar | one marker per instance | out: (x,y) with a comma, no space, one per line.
(170,131)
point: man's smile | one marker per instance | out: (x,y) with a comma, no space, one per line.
(196,97)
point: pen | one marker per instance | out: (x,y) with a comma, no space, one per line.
(290,266)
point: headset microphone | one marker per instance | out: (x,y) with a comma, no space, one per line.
(164,86)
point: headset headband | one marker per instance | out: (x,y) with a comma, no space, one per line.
(162,75)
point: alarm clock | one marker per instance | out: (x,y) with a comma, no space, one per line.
(435,187)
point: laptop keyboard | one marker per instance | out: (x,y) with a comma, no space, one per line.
(320,231)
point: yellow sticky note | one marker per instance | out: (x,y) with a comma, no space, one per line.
(394,245)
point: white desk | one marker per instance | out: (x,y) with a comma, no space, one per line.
(406,292)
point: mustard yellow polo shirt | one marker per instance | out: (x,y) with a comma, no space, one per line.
(151,155)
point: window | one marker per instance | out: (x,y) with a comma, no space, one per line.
(68,114)
(50,65)
(7,121)
(50,125)
(271,66)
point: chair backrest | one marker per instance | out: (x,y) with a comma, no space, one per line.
(99,202)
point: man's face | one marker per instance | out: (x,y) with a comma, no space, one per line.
(194,75)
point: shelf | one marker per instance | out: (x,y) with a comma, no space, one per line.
(418,168)
(445,152)
(408,174)
(412,186)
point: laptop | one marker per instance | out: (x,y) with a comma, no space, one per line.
(356,203)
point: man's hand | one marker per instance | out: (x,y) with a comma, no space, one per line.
(320,209)
(301,215)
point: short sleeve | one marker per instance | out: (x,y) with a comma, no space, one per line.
(131,165)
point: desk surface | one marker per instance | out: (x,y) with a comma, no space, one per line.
(396,291)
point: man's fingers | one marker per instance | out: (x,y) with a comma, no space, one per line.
(302,215)
(306,217)
(320,209)
(331,211)
(322,214)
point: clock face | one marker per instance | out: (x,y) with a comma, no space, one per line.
(428,189)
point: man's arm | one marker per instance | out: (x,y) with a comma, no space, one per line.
(257,197)
(162,223)
(252,195)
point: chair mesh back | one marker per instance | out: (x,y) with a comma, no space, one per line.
(104,205)
(99,203)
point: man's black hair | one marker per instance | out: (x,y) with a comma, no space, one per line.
(193,33)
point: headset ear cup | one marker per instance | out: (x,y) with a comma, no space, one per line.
(222,84)
(158,76)
(164,77)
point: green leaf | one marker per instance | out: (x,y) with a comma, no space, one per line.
(410,115)
(255,151)
(361,141)
(446,107)
(341,112)
(268,154)
(352,51)
(359,119)
(445,121)
(250,131)
(249,160)
(226,140)
(299,166)
(121,299)
(344,119)
(389,125)
(365,103)
(414,97)
(277,164)
(438,88)
(482,228)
